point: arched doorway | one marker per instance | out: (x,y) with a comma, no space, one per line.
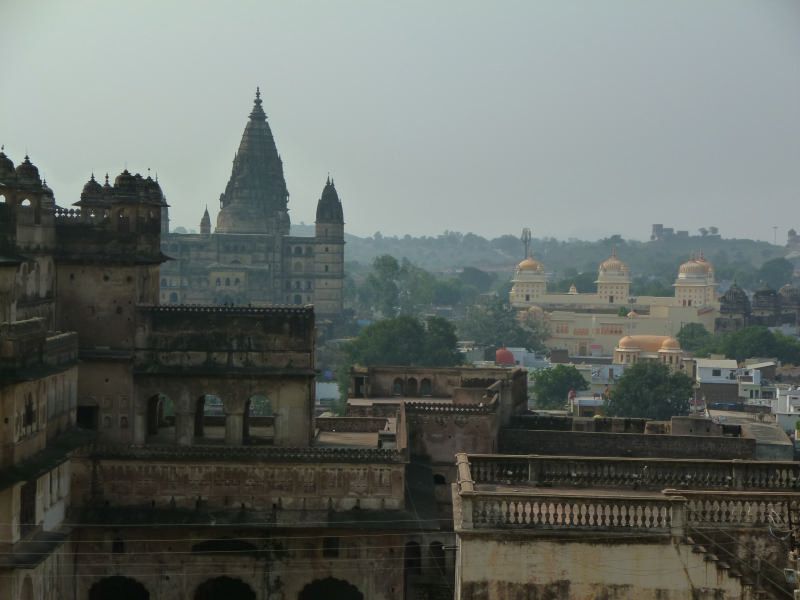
(324,589)
(224,588)
(160,418)
(411,387)
(118,588)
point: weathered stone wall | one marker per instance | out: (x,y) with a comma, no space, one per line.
(171,563)
(437,436)
(187,478)
(631,445)
(351,424)
(50,579)
(99,301)
(565,423)
(500,567)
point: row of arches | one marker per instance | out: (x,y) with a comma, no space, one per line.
(221,588)
(410,387)
(210,420)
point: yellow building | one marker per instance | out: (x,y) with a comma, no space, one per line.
(633,349)
(592,324)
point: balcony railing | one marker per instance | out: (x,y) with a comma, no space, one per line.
(635,473)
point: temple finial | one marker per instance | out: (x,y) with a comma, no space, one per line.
(258,93)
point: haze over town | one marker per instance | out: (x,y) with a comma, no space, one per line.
(581,119)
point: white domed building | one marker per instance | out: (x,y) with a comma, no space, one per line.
(695,285)
(591,324)
(529,283)
(613,280)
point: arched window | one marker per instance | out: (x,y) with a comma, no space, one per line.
(236,281)
(326,268)
(298,250)
(227,282)
(163,282)
(411,387)
(425,388)
(298,299)
(397,387)
(219,282)
(26,203)
(173,298)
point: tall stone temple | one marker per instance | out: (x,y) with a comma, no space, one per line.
(250,258)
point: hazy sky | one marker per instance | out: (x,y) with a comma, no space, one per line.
(574,118)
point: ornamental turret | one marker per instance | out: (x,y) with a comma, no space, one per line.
(205,223)
(330,217)
(695,285)
(329,253)
(613,280)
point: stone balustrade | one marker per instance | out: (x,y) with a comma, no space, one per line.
(635,473)
(492,510)
(738,509)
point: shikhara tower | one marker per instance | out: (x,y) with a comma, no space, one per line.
(250,258)
(255,199)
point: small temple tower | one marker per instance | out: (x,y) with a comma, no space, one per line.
(695,285)
(614,280)
(329,255)
(529,283)
(205,223)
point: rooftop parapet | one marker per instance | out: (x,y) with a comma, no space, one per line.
(541,510)
(247,453)
(633,473)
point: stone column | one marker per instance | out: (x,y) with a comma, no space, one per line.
(139,420)
(234,421)
(184,418)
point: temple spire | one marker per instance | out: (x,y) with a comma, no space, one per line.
(257,112)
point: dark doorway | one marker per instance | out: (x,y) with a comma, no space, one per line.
(86,417)
(224,588)
(118,588)
(325,589)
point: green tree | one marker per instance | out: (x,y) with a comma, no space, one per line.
(776,272)
(693,337)
(480,280)
(495,324)
(405,340)
(650,390)
(552,386)
(402,341)
(381,285)
(748,342)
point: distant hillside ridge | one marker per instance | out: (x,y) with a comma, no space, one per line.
(452,251)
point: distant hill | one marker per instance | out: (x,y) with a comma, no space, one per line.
(451,251)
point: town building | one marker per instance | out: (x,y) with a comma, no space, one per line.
(250,258)
(171,452)
(663,349)
(590,324)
